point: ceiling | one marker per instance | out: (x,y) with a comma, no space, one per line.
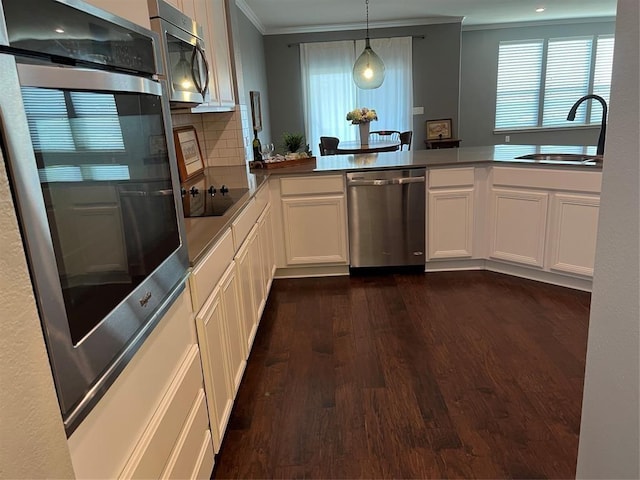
(297,16)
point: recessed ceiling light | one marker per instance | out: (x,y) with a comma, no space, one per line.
(59,30)
(540,10)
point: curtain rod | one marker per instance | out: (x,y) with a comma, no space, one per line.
(418,37)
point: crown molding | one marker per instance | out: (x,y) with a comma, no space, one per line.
(339,27)
(249,13)
(559,21)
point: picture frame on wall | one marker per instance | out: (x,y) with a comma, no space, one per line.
(190,162)
(256,111)
(439,129)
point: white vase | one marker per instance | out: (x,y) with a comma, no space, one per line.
(364,133)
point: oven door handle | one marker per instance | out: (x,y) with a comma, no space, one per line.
(46,76)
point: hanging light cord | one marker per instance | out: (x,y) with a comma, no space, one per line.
(367,4)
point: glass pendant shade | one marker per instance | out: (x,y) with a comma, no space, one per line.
(182,73)
(368,71)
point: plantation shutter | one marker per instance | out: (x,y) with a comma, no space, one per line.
(567,79)
(518,93)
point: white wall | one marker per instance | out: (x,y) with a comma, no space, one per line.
(609,436)
(32,440)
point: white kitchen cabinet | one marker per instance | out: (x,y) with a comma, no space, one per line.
(212,15)
(212,337)
(145,420)
(265,227)
(135,11)
(230,292)
(518,220)
(245,258)
(573,232)
(314,227)
(450,217)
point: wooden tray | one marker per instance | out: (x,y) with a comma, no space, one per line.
(285,163)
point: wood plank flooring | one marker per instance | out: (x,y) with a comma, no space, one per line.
(438,375)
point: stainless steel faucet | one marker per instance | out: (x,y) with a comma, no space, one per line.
(603,123)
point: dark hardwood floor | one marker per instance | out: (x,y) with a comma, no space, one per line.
(439,375)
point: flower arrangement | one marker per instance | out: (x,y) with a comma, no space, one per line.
(362,115)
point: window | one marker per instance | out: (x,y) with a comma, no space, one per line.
(329,91)
(539,81)
(66,121)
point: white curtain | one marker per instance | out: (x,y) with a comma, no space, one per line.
(329,91)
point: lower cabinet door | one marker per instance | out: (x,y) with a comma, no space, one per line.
(518,226)
(315,230)
(229,290)
(215,364)
(450,223)
(573,233)
(244,266)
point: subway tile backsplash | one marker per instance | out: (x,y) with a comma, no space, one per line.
(221,135)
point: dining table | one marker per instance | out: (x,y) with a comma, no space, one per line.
(371,147)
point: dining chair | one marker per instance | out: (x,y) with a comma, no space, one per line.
(386,135)
(405,139)
(328,145)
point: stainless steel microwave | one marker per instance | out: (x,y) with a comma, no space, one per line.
(184,61)
(86,137)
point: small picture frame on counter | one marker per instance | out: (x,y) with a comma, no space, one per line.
(190,162)
(439,129)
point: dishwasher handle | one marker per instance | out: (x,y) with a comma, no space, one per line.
(380,182)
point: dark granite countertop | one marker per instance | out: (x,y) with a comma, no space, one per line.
(203,232)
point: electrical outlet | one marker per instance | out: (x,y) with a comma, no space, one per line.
(507,139)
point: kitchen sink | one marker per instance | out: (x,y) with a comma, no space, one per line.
(561,157)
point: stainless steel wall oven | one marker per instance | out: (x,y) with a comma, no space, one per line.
(86,134)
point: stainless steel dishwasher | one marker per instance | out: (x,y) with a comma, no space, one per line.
(386,211)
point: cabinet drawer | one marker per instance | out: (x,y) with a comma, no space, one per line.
(185,456)
(311,185)
(206,274)
(243,224)
(451,177)
(206,460)
(158,440)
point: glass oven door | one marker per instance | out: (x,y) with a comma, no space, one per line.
(100,207)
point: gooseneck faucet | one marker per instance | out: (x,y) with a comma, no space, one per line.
(603,124)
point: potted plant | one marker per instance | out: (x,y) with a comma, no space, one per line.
(292,141)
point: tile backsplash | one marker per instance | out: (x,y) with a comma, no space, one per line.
(223,136)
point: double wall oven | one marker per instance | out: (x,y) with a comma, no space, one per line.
(86,135)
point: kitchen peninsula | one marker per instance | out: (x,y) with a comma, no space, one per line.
(485,209)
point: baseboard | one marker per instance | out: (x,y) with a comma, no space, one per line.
(317,271)
(576,283)
(568,281)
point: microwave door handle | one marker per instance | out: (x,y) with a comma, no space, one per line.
(195,76)
(206,69)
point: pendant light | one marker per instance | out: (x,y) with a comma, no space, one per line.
(182,73)
(368,71)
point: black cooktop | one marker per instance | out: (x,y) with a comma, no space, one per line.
(200,199)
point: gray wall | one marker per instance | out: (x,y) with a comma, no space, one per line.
(479,79)
(436,72)
(250,66)
(609,432)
